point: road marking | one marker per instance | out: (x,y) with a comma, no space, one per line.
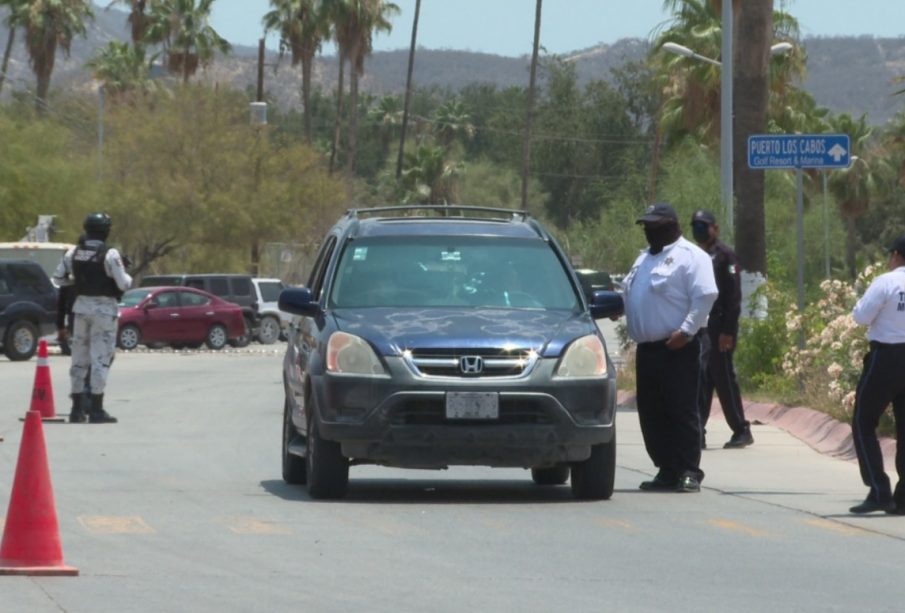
(838,527)
(606,522)
(100,524)
(252,525)
(734,526)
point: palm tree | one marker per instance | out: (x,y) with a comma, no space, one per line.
(15,18)
(386,115)
(354,23)
(122,68)
(138,20)
(451,120)
(428,177)
(408,90)
(302,29)
(50,24)
(526,145)
(853,187)
(183,28)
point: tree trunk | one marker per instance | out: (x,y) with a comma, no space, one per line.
(751,58)
(529,114)
(408,90)
(6,54)
(337,126)
(352,139)
(306,96)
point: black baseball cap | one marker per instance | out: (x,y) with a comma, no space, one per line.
(702,215)
(659,211)
(898,246)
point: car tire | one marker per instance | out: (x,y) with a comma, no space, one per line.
(327,468)
(295,471)
(269,330)
(593,478)
(216,337)
(555,475)
(128,338)
(21,340)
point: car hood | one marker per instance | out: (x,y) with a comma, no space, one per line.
(393,331)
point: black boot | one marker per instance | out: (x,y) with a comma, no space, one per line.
(76,414)
(98,415)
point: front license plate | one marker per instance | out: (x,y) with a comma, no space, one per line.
(472,405)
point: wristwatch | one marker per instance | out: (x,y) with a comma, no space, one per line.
(687,336)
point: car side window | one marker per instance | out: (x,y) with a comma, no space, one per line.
(167,300)
(241,286)
(196,283)
(316,281)
(270,290)
(4,286)
(218,286)
(29,278)
(192,299)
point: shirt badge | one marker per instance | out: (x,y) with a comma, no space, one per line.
(732,269)
(668,261)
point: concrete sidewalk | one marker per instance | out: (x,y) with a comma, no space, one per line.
(801,459)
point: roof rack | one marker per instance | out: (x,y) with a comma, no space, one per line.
(509,214)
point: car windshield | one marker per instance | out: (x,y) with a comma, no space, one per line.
(451,271)
(133,296)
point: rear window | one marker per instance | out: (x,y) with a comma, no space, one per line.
(217,286)
(444,271)
(241,286)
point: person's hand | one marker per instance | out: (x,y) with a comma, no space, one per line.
(676,340)
(726,342)
(62,334)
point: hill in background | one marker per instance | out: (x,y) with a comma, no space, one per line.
(845,74)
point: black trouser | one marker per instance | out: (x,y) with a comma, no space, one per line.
(667,397)
(881,383)
(718,372)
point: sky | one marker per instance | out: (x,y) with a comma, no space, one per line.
(506,27)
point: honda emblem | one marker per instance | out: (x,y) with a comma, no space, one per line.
(471,364)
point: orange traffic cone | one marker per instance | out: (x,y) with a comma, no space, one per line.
(42,392)
(31,536)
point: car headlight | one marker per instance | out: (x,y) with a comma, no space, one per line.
(350,355)
(585,357)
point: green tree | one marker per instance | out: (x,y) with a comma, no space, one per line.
(122,68)
(452,121)
(138,19)
(51,24)
(183,28)
(386,115)
(302,28)
(429,178)
(14,19)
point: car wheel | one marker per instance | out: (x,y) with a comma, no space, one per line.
(556,475)
(21,341)
(216,337)
(294,470)
(269,330)
(593,478)
(328,470)
(129,337)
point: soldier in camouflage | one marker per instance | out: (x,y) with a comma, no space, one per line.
(99,278)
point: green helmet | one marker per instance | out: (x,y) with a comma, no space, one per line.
(97,224)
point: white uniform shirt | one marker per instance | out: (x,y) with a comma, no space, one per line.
(100,305)
(672,290)
(882,308)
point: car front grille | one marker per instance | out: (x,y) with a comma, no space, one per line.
(431,412)
(471,363)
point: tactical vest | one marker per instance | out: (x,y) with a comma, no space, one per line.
(88,270)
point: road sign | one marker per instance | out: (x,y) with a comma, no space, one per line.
(768,151)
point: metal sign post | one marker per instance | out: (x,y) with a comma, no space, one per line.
(798,151)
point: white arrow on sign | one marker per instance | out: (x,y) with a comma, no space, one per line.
(837,152)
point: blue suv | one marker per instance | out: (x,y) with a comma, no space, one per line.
(431,336)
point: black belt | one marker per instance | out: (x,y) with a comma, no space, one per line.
(878,344)
(662,343)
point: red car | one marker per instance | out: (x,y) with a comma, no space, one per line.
(178,316)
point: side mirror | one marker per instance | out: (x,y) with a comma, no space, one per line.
(298,301)
(605,304)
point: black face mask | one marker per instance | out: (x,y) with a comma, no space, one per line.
(701,232)
(660,236)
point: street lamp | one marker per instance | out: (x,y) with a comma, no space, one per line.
(725,107)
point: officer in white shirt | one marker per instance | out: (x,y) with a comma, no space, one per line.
(882,309)
(668,295)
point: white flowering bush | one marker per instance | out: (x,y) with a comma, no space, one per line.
(829,365)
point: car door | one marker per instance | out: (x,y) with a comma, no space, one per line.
(197,314)
(162,322)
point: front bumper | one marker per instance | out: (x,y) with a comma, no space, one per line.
(401,420)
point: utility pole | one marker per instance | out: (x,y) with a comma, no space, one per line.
(529,116)
(100,132)
(408,90)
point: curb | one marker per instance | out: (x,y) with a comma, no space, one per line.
(817,430)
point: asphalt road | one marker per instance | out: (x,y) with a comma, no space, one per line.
(180,507)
